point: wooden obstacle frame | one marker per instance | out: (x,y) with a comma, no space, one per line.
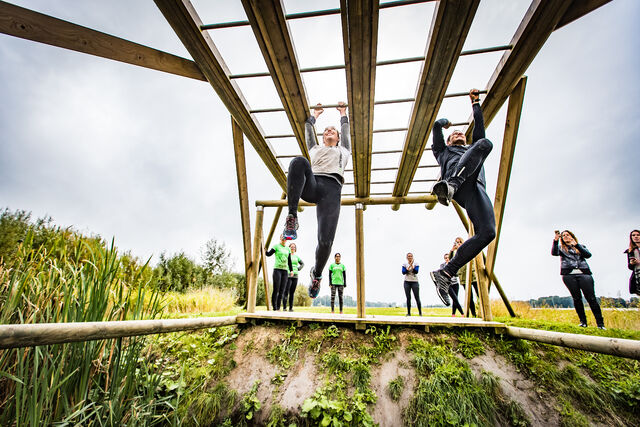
(449,28)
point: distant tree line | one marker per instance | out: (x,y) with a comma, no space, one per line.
(567,302)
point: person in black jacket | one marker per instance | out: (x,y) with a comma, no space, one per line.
(633,261)
(453,290)
(576,274)
(462,173)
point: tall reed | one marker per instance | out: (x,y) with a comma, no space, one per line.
(70,278)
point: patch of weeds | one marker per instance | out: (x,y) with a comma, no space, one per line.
(448,392)
(285,353)
(510,409)
(569,417)
(361,375)
(382,338)
(277,417)
(395,388)
(516,415)
(250,403)
(250,347)
(277,380)
(331,332)
(469,345)
(314,326)
(340,410)
(209,405)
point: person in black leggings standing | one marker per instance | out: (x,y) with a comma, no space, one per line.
(281,270)
(320,182)
(462,276)
(576,274)
(462,172)
(410,269)
(292,284)
(453,290)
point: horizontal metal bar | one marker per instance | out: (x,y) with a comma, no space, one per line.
(393,182)
(356,200)
(459,94)
(394,168)
(28,335)
(223,25)
(486,50)
(460,124)
(280,136)
(390,130)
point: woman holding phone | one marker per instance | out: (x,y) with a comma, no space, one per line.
(633,261)
(576,274)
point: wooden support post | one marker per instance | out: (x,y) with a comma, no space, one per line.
(483,289)
(274,225)
(265,273)
(252,284)
(360,261)
(243,193)
(469,290)
(514,111)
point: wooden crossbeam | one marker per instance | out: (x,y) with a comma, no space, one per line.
(186,23)
(28,24)
(514,111)
(578,9)
(272,34)
(449,29)
(360,37)
(535,28)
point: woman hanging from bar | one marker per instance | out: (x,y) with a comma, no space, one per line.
(633,261)
(320,182)
(281,270)
(462,172)
(410,269)
(292,283)
(576,274)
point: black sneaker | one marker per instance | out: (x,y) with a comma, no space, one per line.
(290,227)
(442,282)
(314,287)
(583,325)
(443,191)
(602,327)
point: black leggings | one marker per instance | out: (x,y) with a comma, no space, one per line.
(415,288)
(583,282)
(291,286)
(325,192)
(453,293)
(280,278)
(472,304)
(472,196)
(340,289)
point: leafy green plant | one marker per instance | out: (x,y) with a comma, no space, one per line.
(349,411)
(250,403)
(331,332)
(395,388)
(469,345)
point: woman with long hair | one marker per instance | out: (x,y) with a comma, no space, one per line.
(290,290)
(410,269)
(633,261)
(576,274)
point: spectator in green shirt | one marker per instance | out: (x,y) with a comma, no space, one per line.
(281,270)
(292,283)
(337,281)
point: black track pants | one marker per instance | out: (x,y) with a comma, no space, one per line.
(340,289)
(279,282)
(579,284)
(472,304)
(415,288)
(453,293)
(284,294)
(293,284)
(325,192)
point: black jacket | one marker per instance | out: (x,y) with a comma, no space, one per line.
(634,280)
(448,156)
(571,260)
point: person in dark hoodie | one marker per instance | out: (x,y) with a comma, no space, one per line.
(633,261)
(462,179)
(576,274)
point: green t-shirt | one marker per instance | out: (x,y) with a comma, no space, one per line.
(282,255)
(295,262)
(336,272)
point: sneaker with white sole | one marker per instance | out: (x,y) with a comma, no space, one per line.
(442,282)
(314,287)
(443,191)
(290,227)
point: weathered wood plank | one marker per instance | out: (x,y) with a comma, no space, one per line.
(272,34)
(243,193)
(449,28)
(252,279)
(186,23)
(506,161)
(578,9)
(28,24)
(360,294)
(360,38)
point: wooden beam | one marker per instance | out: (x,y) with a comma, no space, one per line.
(483,288)
(252,280)
(28,335)
(360,37)
(469,289)
(360,295)
(243,192)
(356,200)
(535,28)
(578,9)
(272,34)
(28,24)
(265,273)
(449,28)
(506,161)
(186,23)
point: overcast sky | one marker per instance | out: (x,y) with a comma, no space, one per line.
(147,157)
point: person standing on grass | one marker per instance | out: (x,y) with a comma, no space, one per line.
(337,281)
(576,274)
(453,290)
(292,283)
(281,270)
(410,269)
(462,275)
(319,182)
(633,261)
(462,172)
